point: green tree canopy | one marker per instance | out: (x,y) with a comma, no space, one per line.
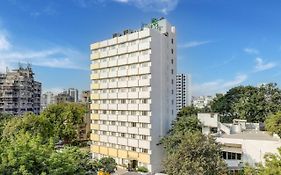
(273,123)
(247,102)
(272,164)
(188,151)
(196,154)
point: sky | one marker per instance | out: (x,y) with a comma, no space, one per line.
(221,43)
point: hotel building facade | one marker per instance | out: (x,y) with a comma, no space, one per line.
(133,93)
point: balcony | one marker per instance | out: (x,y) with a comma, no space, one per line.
(95,117)
(112,41)
(144,94)
(122,118)
(133,71)
(133,48)
(132,83)
(122,50)
(103,85)
(144,107)
(144,131)
(112,106)
(144,58)
(133,106)
(95,126)
(95,96)
(95,106)
(103,54)
(122,61)
(133,95)
(112,63)
(122,72)
(103,75)
(103,96)
(95,149)
(112,84)
(133,59)
(144,119)
(95,86)
(122,39)
(95,46)
(122,107)
(145,82)
(145,33)
(122,129)
(103,127)
(133,118)
(112,128)
(122,95)
(122,84)
(95,56)
(95,76)
(112,74)
(103,64)
(144,144)
(103,44)
(133,143)
(144,46)
(144,70)
(95,137)
(133,36)
(95,66)
(112,52)
(112,95)
(103,117)
(103,106)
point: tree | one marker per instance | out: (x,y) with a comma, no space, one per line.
(196,154)
(272,164)
(188,151)
(273,123)
(247,102)
(107,164)
(31,123)
(185,122)
(65,119)
(28,154)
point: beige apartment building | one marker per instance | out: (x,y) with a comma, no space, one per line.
(133,93)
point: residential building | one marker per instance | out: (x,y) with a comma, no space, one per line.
(133,94)
(63,97)
(202,101)
(74,93)
(19,92)
(183,94)
(47,99)
(84,132)
(242,142)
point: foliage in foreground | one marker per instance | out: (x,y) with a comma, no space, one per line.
(188,151)
(28,144)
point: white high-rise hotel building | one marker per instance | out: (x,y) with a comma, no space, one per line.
(133,94)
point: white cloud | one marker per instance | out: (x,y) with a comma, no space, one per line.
(161,6)
(55,57)
(262,66)
(4,43)
(251,51)
(194,44)
(217,86)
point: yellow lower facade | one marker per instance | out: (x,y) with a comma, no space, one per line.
(130,155)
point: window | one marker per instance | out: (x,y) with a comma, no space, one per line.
(123,123)
(144,125)
(144,137)
(112,122)
(123,101)
(133,101)
(104,112)
(103,132)
(144,150)
(123,135)
(144,101)
(123,112)
(113,133)
(123,147)
(96,121)
(144,113)
(133,149)
(96,111)
(172,71)
(133,136)
(172,51)
(172,41)
(133,124)
(113,112)
(104,122)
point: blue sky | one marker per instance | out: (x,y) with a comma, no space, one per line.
(222,43)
